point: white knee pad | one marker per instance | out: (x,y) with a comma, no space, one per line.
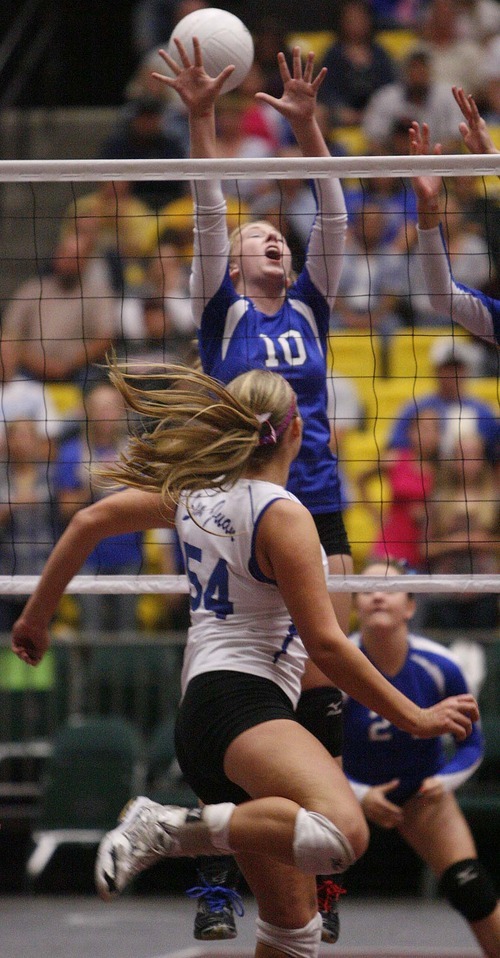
(319,848)
(296,942)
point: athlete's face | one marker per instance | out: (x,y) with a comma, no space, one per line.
(261,251)
(383,611)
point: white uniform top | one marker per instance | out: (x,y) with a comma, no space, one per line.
(239,621)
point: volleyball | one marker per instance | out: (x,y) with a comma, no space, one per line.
(224,40)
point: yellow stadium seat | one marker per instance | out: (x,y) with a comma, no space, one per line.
(398,43)
(351,139)
(409,350)
(66,398)
(357,355)
(388,399)
(316,40)
(487,389)
(491,183)
(177,218)
(360,450)
(362,531)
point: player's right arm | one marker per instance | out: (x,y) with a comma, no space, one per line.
(123,512)
(199,93)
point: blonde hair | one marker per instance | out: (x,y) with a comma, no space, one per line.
(206,434)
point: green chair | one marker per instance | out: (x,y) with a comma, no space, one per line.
(95,767)
(165,782)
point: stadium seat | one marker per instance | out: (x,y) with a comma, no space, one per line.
(95,767)
(361,531)
(486,389)
(164,780)
(387,400)
(316,40)
(359,356)
(139,681)
(33,703)
(409,350)
(67,399)
(350,139)
(397,42)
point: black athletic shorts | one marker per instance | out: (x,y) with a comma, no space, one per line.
(332,533)
(216,708)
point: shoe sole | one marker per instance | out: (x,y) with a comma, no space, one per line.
(216,934)
(102,879)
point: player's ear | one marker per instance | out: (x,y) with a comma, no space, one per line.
(234,271)
(411,608)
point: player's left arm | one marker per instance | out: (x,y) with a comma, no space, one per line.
(467,755)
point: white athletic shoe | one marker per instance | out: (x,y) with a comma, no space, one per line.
(146,834)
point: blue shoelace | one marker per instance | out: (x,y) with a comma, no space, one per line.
(218,897)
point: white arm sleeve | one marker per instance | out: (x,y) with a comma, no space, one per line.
(465,306)
(325,251)
(211,244)
(455,779)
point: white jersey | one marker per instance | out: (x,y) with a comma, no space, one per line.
(239,621)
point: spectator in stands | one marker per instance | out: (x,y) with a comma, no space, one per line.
(394,14)
(22,399)
(123,228)
(270,33)
(478,20)
(407,785)
(234,143)
(415,95)
(154,20)
(59,324)
(452,360)
(367,290)
(259,119)
(77,483)
(408,480)
(454,59)
(158,325)
(464,522)
(357,65)
(140,135)
(28,517)
(176,218)
(392,195)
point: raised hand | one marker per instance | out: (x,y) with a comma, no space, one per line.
(427,188)
(298,102)
(474,131)
(197,90)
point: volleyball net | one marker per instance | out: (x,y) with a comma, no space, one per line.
(436,505)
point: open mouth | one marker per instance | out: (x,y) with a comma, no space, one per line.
(273,252)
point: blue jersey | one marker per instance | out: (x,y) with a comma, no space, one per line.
(375,751)
(235,337)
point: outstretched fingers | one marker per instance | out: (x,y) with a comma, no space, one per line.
(467,105)
(193,63)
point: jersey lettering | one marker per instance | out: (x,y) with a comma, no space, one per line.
(292,631)
(379,729)
(216,595)
(291,345)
